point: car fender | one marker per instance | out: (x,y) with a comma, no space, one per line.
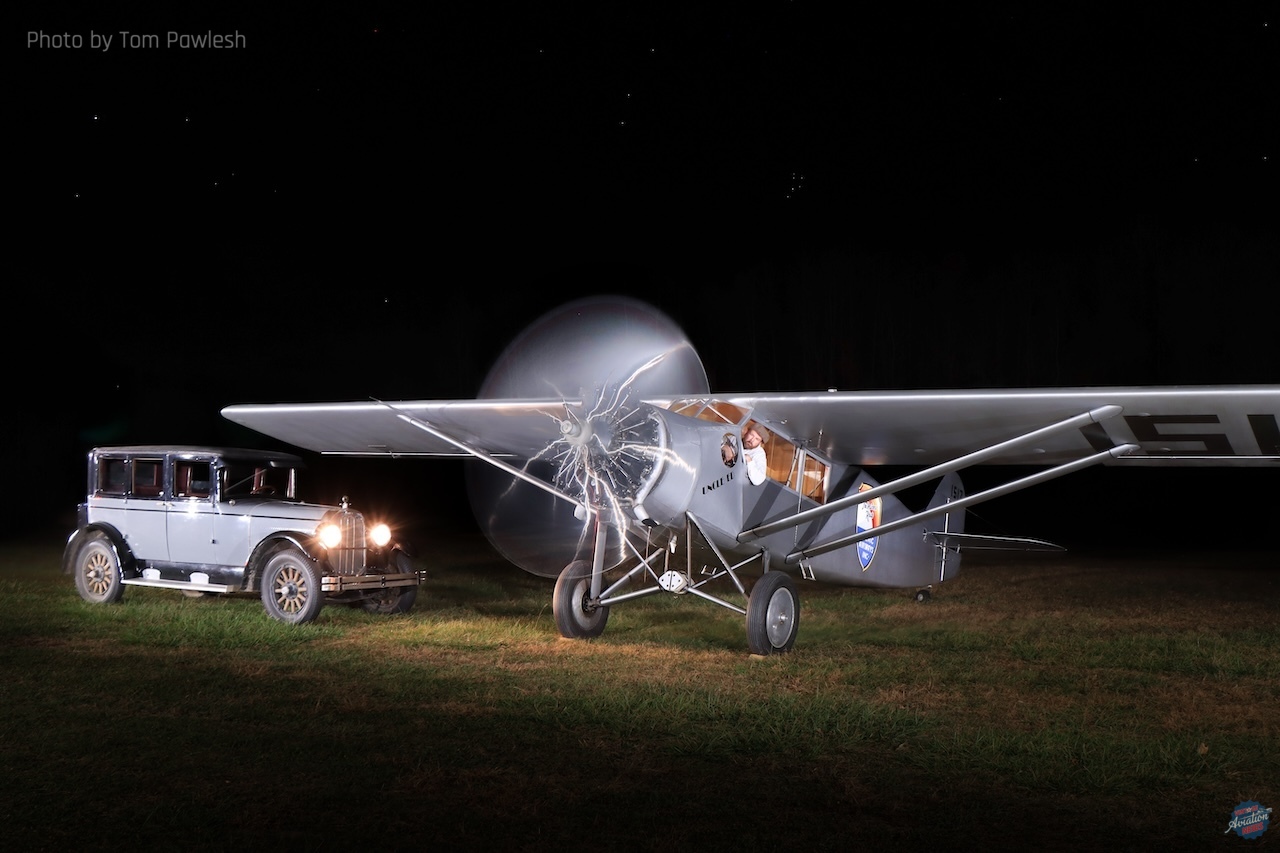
(262,552)
(384,557)
(123,555)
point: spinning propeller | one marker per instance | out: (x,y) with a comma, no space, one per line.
(603,356)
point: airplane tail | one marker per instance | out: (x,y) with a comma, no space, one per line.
(881,542)
(947,533)
(946,530)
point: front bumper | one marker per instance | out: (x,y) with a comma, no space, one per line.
(345,583)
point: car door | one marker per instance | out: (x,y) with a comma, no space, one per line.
(192,513)
(143,509)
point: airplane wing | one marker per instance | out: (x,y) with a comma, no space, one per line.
(1196,425)
(502,428)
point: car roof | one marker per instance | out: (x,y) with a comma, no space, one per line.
(229,453)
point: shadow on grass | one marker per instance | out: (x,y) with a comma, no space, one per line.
(1073,705)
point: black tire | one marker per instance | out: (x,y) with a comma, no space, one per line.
(575,618)
(291,587)
(923,595)
(98,576)
(773,614)
(396,599)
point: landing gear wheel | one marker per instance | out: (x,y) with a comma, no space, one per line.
(575,618)
(395,599)
(291,587)
(923,595)
(98,578)
(773,614)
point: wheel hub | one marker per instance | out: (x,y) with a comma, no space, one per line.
(607,451)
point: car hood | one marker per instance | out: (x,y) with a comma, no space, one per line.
(267,508)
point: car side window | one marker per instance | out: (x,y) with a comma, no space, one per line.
(237,481)
(191,479)
(113,477)
(148,478)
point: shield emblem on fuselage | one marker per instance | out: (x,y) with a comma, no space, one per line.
(868,519)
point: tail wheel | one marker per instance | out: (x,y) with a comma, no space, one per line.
(291,587)
(773,614)
(98,577)
(576,618)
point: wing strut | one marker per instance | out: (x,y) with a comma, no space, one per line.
(486,457)
(1094,416)
(968,500)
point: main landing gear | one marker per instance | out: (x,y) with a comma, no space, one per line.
(772,613)
(577,617)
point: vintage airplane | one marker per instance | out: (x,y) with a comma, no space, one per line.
(611,467)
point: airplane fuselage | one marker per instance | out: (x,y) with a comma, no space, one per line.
(692,475)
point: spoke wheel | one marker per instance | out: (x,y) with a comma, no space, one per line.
(773,614)
(98,577)
(575,617)
(397,599)
(291,587)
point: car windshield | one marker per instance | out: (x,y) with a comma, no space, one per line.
(248,479)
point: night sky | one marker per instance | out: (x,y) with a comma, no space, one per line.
(356,201)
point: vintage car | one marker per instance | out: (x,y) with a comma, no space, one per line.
(220,520)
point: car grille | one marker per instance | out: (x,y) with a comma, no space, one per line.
(349,559)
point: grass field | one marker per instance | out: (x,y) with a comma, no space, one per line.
(1065,702)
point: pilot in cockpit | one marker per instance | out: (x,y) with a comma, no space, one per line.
(753,454)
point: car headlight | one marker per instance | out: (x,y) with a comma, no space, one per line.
(380,535)
(330,535)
